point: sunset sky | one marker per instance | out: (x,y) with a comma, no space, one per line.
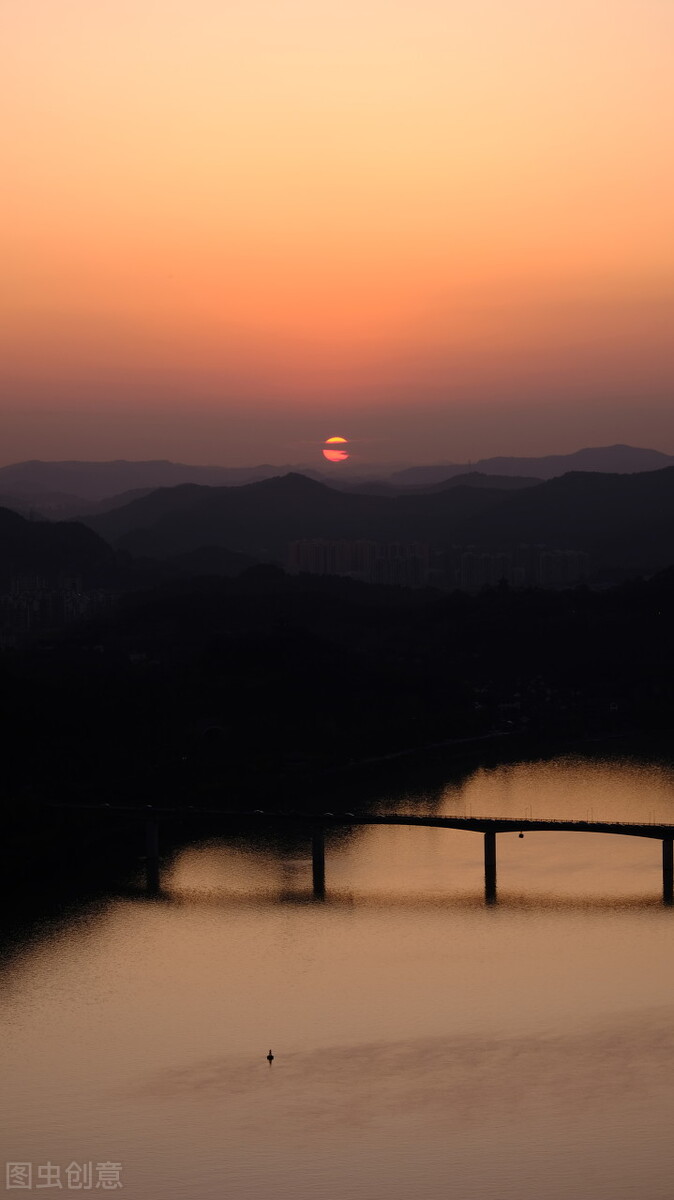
(233,228)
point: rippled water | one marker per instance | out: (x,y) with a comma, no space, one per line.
(426,1045)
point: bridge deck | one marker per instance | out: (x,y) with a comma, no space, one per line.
(340,819)
(318,823)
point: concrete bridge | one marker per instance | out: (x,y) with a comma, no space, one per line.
(489,827)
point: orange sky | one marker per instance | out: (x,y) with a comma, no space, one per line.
(262,220)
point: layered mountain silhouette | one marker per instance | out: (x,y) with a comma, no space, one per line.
(617,459)
(620,520)
(474,479)
(46,553)
(479,479)
(61,490)
(98,480)
(59,506)
(47,550)
(625,520)
(261,519)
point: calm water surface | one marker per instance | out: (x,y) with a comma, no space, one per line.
(427,1047)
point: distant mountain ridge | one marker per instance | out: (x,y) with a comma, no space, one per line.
(96,481)
(624,521)
(616,519)
(57,489)
(473,479)
(261,519)
(619,459)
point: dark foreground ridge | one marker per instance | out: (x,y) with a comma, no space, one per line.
(204,689)
(622,522)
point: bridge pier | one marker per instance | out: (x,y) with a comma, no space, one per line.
(668,870)
(490,866)
(152,854)
(318,862)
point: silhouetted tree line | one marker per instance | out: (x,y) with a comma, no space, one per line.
(228,691)
(221,687)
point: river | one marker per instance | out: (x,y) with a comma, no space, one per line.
(426,1046)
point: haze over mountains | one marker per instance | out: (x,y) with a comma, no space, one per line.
(622,460)
(620,520)
(65,489)
(50,549)
(623,523)
(262,518)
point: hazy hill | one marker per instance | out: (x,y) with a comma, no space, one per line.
(474,479)
(262,518)
(98,480)
(57,506)
(143,511)
(47,550)
(614,459)
(57,488)
(625,520)
(620,520)
(23,507)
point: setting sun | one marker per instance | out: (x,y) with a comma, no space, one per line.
(334,451)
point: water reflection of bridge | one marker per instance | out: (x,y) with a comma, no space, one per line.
(489,827)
